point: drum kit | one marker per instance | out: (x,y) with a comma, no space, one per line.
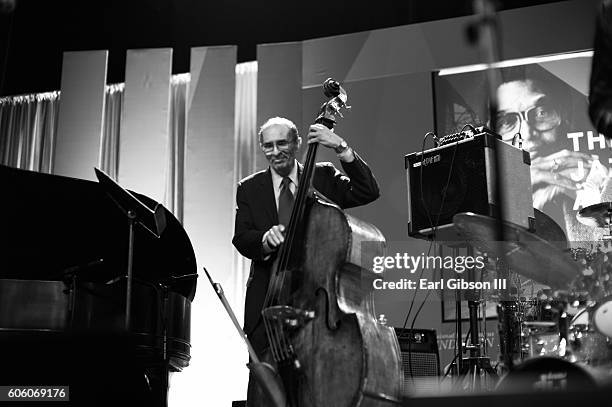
(564,328)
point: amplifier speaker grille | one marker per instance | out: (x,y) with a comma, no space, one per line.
(420,361)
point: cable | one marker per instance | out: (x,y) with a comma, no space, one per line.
(425,207)
(450,171)
(434,228)
(470,126)
(467,337)
(416,289)
(450,366)
(429,133)
(411,329)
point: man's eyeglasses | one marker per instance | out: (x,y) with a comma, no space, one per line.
(280,144)
(542,117)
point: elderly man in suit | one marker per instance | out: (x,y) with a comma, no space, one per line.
(264,201)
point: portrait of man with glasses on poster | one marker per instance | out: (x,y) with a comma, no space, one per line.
(546,104)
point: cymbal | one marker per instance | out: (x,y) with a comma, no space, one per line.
(526,253)
(549,230)
(597,216)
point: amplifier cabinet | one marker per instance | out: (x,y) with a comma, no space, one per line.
(420,361)
(459,177)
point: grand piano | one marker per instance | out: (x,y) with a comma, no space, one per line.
(63,265)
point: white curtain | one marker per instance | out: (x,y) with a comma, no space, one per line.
(109,151)
(176,144)
(27,131)
(246,150)
(28,128)
(109,145)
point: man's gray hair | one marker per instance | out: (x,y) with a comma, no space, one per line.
(293,131)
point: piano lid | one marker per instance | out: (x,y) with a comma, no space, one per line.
(50,224)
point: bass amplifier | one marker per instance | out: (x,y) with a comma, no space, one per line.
(420,361)
(459,177)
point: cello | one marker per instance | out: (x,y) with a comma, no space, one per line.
(324,340)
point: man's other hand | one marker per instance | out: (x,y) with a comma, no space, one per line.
(273,238)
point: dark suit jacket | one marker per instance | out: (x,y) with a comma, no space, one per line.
(256,213)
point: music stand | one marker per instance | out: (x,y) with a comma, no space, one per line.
(154,221)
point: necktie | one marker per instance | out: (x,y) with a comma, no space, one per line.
(285,202)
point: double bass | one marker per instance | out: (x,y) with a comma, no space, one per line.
(325,343)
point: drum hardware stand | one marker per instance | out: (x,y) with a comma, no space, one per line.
(456,367)
(476,365)
(506,319)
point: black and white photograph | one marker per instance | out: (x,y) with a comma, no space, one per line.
(306,204)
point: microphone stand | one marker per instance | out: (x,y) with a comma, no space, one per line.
(484,32)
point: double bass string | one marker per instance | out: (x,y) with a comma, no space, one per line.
(273,346)
(275,332)
(277,349)
(296,217)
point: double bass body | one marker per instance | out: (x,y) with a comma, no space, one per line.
(346,358)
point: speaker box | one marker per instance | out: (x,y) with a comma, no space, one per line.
(420,361)
(459,177)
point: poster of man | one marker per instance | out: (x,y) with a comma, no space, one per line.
(546,104)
